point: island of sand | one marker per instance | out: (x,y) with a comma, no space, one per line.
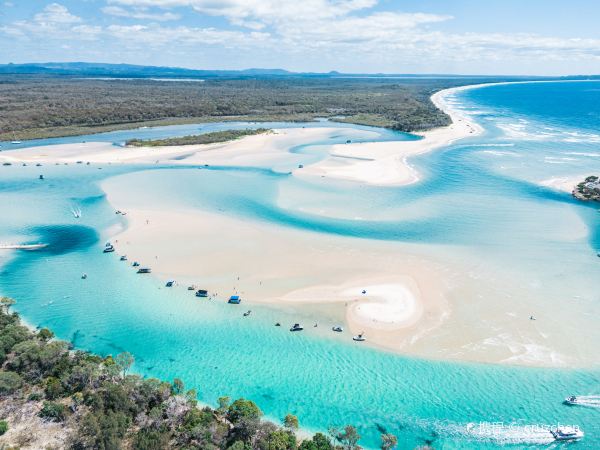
(402,297)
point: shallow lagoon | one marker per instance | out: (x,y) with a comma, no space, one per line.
(480,194)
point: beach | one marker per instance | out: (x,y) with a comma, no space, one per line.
(371,163)
(401,297)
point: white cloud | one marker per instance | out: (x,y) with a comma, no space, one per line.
(141,13)
(55,13)
(259,13)
(325,31)
(155,35)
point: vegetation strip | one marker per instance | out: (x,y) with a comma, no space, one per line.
(207,138)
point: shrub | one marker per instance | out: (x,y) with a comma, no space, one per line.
(35,397)
(9,382)
(53,411)
(53,389)
(243,409)
(151,440)
(3,427)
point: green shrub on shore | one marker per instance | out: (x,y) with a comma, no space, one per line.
(3,427)
(207,138)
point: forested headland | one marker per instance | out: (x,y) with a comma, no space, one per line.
(36,106)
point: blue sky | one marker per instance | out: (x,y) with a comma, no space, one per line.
(361,36)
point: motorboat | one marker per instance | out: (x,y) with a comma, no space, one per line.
(170,283)
(144,270)
(359,338)
(567,433)
(123,258)
(572,400)
(297,327)
(135,264)
(583,400)
(41,177)
(201,293)
(191,288)
(337,329)
(108,249)
(247,313)
(84,276)
(234,300)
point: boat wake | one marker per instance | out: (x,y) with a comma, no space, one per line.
(501,433)
(591,401)
(76,211)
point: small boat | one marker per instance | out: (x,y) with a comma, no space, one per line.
(201,293)
(84,276)
(16,142)
(567,433)
(191,288)
(247,313)
(170,283)
(364,291)
(337,329)
(297,327)
(300,166)
(234,300)
(277,324)
(41,177)
(123,258)
(359,338)
(108,249)
(38,165)
(136,264)
(144,270)
(7,164)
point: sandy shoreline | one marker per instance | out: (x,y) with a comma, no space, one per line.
(401,299)
(295,268)
(373,163)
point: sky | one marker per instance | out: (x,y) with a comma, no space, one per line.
(503,37)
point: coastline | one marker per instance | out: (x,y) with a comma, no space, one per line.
(386,163)
(409,293)
(371,163)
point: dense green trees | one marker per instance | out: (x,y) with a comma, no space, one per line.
(38,106)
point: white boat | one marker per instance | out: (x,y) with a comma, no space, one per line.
(359,338)
(16,142)
(592,401)
(567,433)
(337,329)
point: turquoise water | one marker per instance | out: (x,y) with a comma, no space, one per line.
(480,194)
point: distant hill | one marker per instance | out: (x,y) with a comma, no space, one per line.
(84,69)
(130,70)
